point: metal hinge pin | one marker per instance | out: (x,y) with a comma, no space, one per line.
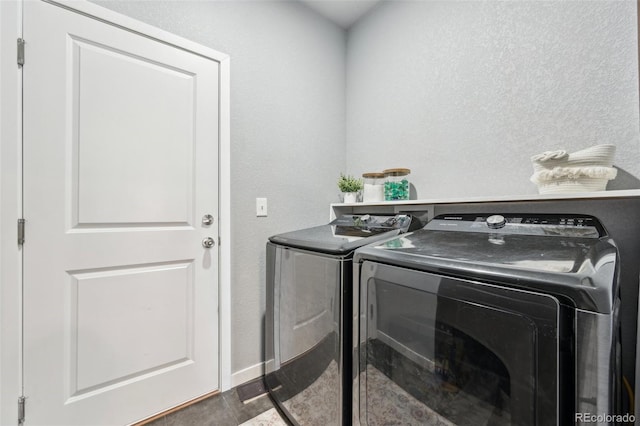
(21,224)
(20,52)
(21,401)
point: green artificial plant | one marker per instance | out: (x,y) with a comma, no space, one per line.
(348,183)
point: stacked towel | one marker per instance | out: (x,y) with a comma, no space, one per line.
(587,170)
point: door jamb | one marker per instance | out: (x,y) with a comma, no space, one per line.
(10,211)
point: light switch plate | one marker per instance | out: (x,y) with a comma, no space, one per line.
(261,207)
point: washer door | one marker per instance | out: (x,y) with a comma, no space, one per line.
(437,349)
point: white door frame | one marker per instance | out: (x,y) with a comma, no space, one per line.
(10,211)
(11,190)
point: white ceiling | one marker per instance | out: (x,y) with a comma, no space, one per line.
(342,12)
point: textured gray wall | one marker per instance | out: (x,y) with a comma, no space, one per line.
(287,128)
(463,93)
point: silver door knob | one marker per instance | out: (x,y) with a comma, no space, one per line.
(207,219)
(208,242)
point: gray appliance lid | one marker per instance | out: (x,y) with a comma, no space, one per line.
(346,233)
(575,262)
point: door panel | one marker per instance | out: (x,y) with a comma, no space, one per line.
(120,164)
(112,135)
(120,308)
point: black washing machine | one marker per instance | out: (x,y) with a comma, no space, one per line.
(488,320)
(308,315)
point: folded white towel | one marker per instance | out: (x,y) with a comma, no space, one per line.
(574,173)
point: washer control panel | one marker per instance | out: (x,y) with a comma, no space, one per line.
(566,225)
(367,224)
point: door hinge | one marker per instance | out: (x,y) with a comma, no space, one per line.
(21,401)
(21,223)
(20,52)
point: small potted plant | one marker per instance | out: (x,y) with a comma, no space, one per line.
(349,186)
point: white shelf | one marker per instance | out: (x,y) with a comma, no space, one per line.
(393,206)
(498,198)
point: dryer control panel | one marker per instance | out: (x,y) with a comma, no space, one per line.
(564,225)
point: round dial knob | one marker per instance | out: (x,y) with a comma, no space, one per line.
(496,221)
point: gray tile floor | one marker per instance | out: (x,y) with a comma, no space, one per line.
(224,409)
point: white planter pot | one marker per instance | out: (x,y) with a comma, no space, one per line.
(350,197)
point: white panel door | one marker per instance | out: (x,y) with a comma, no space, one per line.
(120,167)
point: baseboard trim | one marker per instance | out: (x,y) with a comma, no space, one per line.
(176,408)
(237,378)
(247,374)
